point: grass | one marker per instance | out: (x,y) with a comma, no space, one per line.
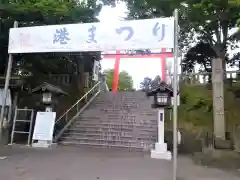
(195,112)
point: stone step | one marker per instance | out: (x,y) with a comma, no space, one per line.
(97,145)
(141,108)
(104,117)
(109,123)
(99,128)
(143,105)
(111,127)
(119,103)
(97,136)
(89,117)
(119,113)
(119,120)
(115,127)
(149,139)
(98,133)
(123,98)
(100,140)
(123,101)
(108,131)
(93,128)
(112,133)
(122,95)
(125,94)
(118,100)
(108,142)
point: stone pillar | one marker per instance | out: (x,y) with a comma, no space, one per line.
(218,99)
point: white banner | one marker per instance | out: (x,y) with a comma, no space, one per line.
(120,35)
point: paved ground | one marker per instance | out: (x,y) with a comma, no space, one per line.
(64,163)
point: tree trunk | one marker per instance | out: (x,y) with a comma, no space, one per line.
(218,99)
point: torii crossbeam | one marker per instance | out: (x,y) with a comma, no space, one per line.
(162,55)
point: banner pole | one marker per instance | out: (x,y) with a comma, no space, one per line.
(175,89)
(6,86)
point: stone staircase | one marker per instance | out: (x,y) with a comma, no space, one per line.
(121,120)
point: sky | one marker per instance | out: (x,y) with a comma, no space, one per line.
(137,68)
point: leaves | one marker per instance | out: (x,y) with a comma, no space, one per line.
(201,54)
(200,20)
(43,12)
(146,83)
(125,80)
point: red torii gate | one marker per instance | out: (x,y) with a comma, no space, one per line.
(163,54)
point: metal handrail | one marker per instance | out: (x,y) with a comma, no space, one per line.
(84,96)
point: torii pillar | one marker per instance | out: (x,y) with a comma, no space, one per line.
(162,55)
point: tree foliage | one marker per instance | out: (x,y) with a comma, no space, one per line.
(44,12)
(125,80)
(212,21)
(145,84)
(201,54)
(208,20)
(149,83)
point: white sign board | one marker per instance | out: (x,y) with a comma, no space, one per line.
(138,34)
(44,126)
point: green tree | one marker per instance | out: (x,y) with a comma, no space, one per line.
(200,54)
(202,20)
(44,12)
(35,67)
(145,84)
(212,21)
(125,81)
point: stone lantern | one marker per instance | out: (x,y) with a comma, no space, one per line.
(49,95)
(162,94)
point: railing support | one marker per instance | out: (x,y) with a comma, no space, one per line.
(56,137)
(68,119)
(83,97)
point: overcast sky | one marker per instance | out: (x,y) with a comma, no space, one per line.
(137,68)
